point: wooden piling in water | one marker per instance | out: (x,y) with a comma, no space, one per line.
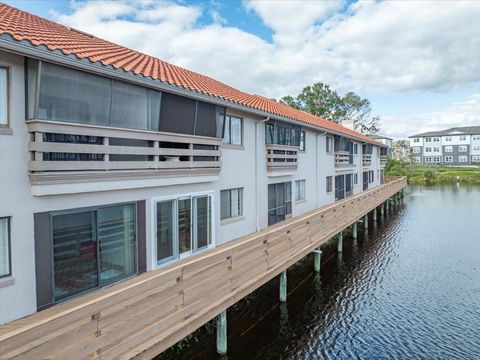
(283,286)
(222,333)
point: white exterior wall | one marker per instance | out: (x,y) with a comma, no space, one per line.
(243,167)
(455,140)
(17,293)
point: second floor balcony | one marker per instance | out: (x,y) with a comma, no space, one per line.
(281,157)
(80,152)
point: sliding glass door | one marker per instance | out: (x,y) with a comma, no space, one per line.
(74,253)
(183,226)
(93,248)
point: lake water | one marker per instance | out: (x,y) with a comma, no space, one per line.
(407,289)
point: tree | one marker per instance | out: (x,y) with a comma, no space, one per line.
(318,99)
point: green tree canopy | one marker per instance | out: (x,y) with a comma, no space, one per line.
(318,99)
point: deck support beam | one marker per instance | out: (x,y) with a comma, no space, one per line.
(375,215)
(222,333)
(388,205)
(382,210)
(355,230)
(283,286)
(317,260)
(365,221)
(340,242)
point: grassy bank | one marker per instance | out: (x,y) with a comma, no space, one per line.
(420,174)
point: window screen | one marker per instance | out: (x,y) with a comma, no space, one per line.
(177,114)
(73,96)
(205,124)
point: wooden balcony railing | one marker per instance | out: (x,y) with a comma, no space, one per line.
(145,315)
(383,160)
(78,150)
(281,157)
(367,159)
(342,159)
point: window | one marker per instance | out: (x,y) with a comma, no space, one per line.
(416,140)
(231,203)
(448,138)
(448,149)
(462,148)
(462,138)
(339,187)
(233,130)
(281,133)
(476,137)
(476,148)
(329,143)
(428,149)
(355,149)
(371,176)
(436,139)
(448,159)
(329,184)
(92,248)
(416,150)
(428,139)
(476,158)
(4,96)
(299,190)
(463,159)
(417,159)
(355,179)
(302,141)
(279,202)
(183,226)
(5,266)
(436,149)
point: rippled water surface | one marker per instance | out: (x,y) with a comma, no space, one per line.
(409,289)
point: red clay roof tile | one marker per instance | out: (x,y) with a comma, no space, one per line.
(24,26)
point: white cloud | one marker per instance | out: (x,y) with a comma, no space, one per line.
(381,47)
(376,46)
(462,113)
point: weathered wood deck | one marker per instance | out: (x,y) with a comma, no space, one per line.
(142,316)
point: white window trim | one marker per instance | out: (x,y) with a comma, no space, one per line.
(6,129)
(304,191)
(153,230)
(236,217)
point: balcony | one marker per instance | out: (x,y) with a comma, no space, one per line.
(79,152)
(367,160)
(383,160)
(282,157)
(343,159)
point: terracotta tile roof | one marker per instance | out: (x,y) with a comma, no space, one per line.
(24,26)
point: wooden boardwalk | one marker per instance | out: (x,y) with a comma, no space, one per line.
(144,315)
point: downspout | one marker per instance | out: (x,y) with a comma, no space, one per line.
(256,171)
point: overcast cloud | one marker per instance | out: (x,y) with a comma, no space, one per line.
(376,47)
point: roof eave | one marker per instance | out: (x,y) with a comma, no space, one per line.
(41,52)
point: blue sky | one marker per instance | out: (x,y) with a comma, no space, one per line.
(418,67)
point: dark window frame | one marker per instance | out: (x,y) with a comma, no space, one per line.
(303,143)
(95,209)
